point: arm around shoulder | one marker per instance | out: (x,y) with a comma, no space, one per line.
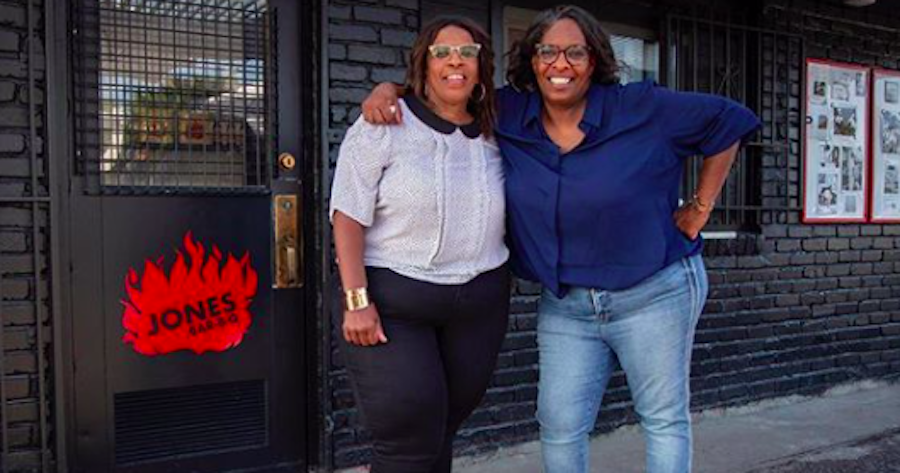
(380,107)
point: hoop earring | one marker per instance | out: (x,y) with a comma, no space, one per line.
(481,95)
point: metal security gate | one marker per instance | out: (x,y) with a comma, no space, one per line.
(175,96)
(187,222)
(761,69)
(26,329)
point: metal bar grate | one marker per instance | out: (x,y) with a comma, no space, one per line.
(174,96)
(163,424)
(751,66)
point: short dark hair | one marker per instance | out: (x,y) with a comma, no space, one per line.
(521,74)
(483,108)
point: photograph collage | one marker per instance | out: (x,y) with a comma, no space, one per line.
(836,137)
(886,202)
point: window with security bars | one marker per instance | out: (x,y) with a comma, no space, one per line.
(752,66)
(174,95)
(637,57)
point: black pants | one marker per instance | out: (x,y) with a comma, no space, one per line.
(414,391)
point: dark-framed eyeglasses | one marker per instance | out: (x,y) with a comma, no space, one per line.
(576,54)
(465,51)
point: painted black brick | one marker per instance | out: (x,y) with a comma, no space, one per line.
(349,73)
(348,95)
(11,68)
(353,33)
(7,91)
(396,75)
(373,54)
(12,16)
(337,52)
(844,274)
(814,306)
(9,41)
(397,38)
(18,284)
(340,12)
(407,4)
(390,16)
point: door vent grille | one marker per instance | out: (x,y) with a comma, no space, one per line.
(174,423)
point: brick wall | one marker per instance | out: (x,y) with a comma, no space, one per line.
(819,304)
(23,287)
(793,309)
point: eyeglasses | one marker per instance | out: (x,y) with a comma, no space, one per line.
(465,51)
(576,54)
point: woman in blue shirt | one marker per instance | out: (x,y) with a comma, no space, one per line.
(592,184)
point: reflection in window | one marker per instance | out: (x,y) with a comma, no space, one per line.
(182,92)
(637,55)
(638,58)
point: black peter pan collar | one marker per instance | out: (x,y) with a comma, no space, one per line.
(435,122)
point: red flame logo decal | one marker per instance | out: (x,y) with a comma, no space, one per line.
(202,306)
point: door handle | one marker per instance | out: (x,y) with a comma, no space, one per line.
(288,242)
(291,262)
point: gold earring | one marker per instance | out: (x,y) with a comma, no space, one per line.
(481,95)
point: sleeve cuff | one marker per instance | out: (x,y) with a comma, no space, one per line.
(738,124)
(361,217)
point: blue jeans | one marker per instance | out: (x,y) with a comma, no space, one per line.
(650,329)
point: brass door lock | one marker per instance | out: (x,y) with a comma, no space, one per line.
(288,242)
(287,161)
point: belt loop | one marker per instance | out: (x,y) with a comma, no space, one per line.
(693,281)
(599,299)
(605,311)
(592,294)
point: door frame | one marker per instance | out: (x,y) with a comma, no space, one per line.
(308,57)
(59,150)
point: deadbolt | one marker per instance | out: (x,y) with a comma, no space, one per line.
(288,242)
(287,161)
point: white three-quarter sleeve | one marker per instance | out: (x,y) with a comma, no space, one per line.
(363,156)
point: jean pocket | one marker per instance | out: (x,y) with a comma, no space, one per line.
(576,304)
(696,278)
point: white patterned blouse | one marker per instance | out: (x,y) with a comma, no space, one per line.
(429,192)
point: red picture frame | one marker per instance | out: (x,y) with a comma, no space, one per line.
(877,179)
(839,191)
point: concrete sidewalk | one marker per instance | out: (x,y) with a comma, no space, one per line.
(736,440)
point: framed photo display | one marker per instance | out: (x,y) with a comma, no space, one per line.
(886,146)
(836,155)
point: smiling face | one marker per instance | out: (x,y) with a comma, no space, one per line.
(561,83)
(450,80)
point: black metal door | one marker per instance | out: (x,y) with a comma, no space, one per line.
(187,225)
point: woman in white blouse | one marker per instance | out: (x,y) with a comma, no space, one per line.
(418,215)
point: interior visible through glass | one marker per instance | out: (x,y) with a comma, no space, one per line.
(183,93)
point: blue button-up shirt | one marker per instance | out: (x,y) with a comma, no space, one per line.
(601,215)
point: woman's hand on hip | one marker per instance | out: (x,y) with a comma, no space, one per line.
(363,327)
(380,107)
(691,220)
